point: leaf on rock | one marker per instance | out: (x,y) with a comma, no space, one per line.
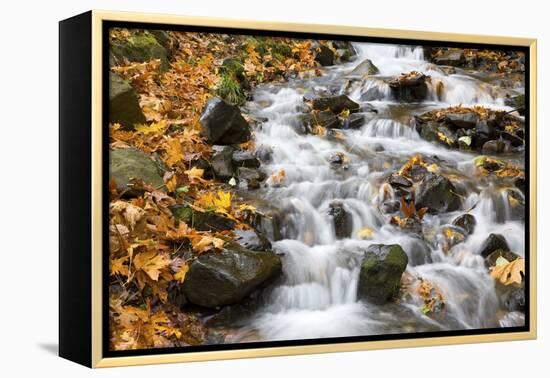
(510,273)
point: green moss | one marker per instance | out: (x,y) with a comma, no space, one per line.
(141,47)
(230,89)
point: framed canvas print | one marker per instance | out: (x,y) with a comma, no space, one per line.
(234,189)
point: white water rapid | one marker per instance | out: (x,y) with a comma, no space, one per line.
(317,297)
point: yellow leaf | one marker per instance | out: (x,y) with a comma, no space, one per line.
(155,128)
(151,263)
(511,273)
(172,184)
(180,275)
(219,202)
(195,174)
(365,233)
(174,151)
(206,243)
(131,213)
(116,266)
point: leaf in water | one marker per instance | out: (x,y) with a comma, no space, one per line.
(278,178)
(365,233)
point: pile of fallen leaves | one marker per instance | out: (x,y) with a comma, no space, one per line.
(486,166)
(150,249)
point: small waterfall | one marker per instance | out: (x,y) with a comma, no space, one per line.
(317,294)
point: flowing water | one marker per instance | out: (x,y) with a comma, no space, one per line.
(317,295)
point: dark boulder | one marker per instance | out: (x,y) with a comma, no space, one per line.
(224,278)
(438,194)
(123,103)
(345,50)
(493,243)
(222,162)
(245,159)
(335,104)
(397,180)
(251,177)
(381,271)
(517,102)
(202,220)
(467,222)
(222,123)
(324,56)
(128,164)
(491,260)
(462,120)
(366,67)
(493,147)
(341,220)
(514,299)
(411,87)
(141,47)
(325,118)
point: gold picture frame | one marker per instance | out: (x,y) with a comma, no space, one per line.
(95,21)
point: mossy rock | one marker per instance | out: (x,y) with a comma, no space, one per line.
(202,220)
(123,103)
(223,278)
(128,164)
(141,47)
(381,271)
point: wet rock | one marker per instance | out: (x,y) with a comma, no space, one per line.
(324,55)
(202,221)
(519,183)
(251,177)
(339,160)
(354,121)
(335,104)
(514,300)
(389,207)
(141,47)
(467,222)
(245,159)
(453,58)
(221,162)
(345,50)
(176,296)
(514,140)
(341,220)
(400,181)
(123,103)
(325,118)
(492,258)
(462,120)
(264,153)
(410,87)
(224,278)
(381,271)
(438,194)
(516,205)
(128,164)
(494,147)
(372,93)
(493,243)
(252,240)
(366,67)
(222,123)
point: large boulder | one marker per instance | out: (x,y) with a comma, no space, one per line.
(341,220)
(224,278)
(141,47)
(222,123)
(335,104)
(410,87)
(366,67)
(123,103)
(453,58)
(128,164)
(438,194)
(492,243)
(462,120)
(324,56)
(381,271)
(325,118)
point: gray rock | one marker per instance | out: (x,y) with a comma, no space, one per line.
(224,278)
(245,159)
(451,58)
(324,56)
(222,123)
(252,240)
(129,163)
(493,147)
(141,47)
(123,103)
(412,88)
(222,162)
(381,271)
(466,120)
(354,121)
(366,67)
(251,177)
